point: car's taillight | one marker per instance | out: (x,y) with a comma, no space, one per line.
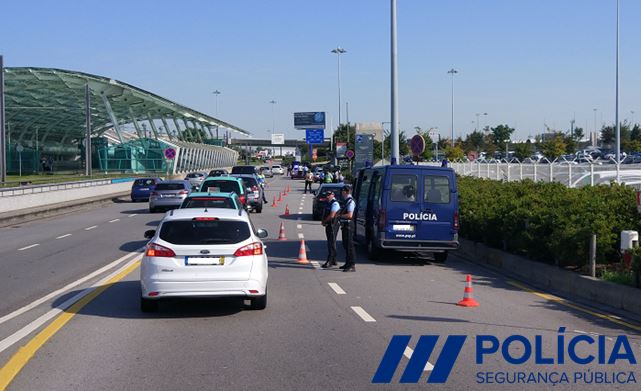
(183,192)
(156,250)
(249,250)
(382,219)
(254,188)
(243,199)
(456,222)
(322,198)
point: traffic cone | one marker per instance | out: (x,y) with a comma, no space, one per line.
(279,197)
(289,190)
(286,210)
(285,191)
(281,234)
(274,204)
(468,301)
(302,254)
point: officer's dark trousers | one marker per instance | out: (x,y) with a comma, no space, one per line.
(348,242)
(330,233)
(308,185)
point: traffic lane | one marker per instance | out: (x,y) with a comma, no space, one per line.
(33,273)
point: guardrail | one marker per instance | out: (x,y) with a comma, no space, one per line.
(34,189)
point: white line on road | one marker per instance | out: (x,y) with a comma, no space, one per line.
(299,226)
(315,264)
(114,220)
(63,236)
(336,288)
(90,228)
(28,247)
(408,353)
(301,236)
(133,214)
(300,213)
(363,314)
(67,287)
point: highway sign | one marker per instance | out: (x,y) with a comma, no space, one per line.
(312,119)
(170,153)
(417,145)
(364,149)
(341,148)
(314,136)
(278,139)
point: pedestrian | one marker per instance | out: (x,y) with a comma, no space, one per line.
(346,219)
(444,162)
(329,222)
(309,180)
(328,177)
(261,182)
(339,177)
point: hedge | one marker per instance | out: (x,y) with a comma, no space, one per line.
(547,222)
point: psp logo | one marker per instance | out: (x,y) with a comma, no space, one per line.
(418,361)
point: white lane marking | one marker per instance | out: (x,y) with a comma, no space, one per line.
(114,220)
(408,353)
(299,226)
(31,327)
(301,236)
(67,287)
(133,214)
(90,228)
(363,314)
(300,213)
(315,264)
(28,247)
(63,236)
(336,288)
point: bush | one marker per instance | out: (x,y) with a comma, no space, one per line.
(547,221)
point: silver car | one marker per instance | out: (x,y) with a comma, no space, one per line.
(267,172)
(168,195)
(195,178)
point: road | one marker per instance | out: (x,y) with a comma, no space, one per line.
(322,329)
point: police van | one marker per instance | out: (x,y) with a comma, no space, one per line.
(407,208)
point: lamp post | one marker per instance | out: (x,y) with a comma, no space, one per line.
(216,93)
(338,51)
(618,125)
(477,120)
(273,102)
(394,137)
(452,72)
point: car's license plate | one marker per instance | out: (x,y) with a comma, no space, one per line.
(204,260)
(144,188)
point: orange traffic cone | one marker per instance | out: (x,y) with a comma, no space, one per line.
(289,190)
(274,204)
(281,234)
(468,301)
(286,210)
(302,254)
(284,192)
(279,197)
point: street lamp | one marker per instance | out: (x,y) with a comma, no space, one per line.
(216,93)
(452,72)
(618,125)
(273,102)
(338,51)
(477,120)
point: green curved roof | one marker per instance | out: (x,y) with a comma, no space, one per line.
(51,103)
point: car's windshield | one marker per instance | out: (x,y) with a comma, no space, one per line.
(193,232)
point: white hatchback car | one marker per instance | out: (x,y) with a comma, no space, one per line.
(204,253)
(277,170)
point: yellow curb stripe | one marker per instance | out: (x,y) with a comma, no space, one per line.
(15,364)
(561,301)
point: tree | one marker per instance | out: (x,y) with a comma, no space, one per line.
(578,134)
(523,150)
(454,153)
(475,140)
(501,134)
(553,147)
(403,147)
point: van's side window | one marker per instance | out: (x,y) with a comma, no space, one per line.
(362,196)
(437,189)
(404,188)
(377,190)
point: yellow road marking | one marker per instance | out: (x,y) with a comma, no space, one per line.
(564,302)
(15,364)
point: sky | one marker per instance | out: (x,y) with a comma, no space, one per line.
(526,63)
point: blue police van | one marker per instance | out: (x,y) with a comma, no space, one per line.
(407,208)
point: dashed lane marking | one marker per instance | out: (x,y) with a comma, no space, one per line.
(299,226)
(363,314)
(114,220)
(301,236)
(28,247)
(133,214)
(315,264)
(337,289)
(63,236)
(300,213)
(90,228)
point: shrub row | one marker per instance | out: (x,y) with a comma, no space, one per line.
(547,222)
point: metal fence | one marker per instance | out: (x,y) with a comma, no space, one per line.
(31,189)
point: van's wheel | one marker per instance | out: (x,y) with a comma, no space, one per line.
(373,252)
(148,305)
(440,257)
(259,209)
(259,303)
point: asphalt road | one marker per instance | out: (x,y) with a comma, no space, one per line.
(322,329)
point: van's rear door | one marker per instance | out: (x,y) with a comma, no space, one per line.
(438,201)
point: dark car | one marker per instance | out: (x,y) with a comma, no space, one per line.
(244,170)
(218,172)
(142,188)
(320,199)
(253,190)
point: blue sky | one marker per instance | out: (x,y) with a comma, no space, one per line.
(524,62)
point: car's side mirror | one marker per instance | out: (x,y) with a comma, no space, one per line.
(150,233)
(261,233)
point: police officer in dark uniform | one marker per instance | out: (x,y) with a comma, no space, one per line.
(329,221)
(346,218)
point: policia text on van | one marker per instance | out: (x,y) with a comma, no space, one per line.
(407,208)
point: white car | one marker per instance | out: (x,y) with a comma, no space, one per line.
(204,253)
(277,170)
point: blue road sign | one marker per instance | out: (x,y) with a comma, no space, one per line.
(314,136)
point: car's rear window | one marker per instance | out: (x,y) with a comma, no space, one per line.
(275,167)
(249,182)
(194,175)
(243,170)
(220,186)
(143,182)
(170,186)
(191,232)
(436,189)
(403,188)
(208,202)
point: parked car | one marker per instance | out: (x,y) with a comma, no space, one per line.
(195,178)
(267,172)
(277,170)
(218,172)
(297,171)
(204,253)
(169,195)
(142,188)
(320,198)
(253,190)
(212,200)
(225,184)
(244,170)
(407,208)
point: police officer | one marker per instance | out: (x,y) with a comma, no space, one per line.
(329,221)
(346,218)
